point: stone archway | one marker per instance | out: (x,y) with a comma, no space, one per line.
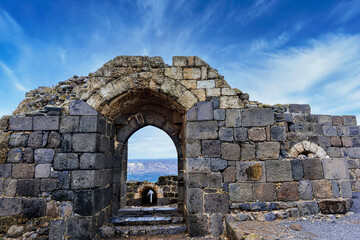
(309,149)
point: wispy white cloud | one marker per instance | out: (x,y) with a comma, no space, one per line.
(258,8)
(346,10)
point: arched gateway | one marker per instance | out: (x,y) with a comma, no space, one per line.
(232,152)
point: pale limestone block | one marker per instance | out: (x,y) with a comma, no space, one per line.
(189,84)
(228,92)
(206,84)
(200,94)
(213,92)
(192,73)
(204,72)
(230,102)
(174,72)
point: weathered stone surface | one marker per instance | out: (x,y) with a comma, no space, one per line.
(15,155)
(48,185)
(64,180)
(34,208)
(257,117)
(28,187)
(81,227)
(268,150)
(86,142)
(198,165)
(278,133)
(5,170)
(247,152)
(28,156)
(321,189)
(63,195)
(333,206)
(288,192)
(202,130)
(193,148)
(329,130)
(69,124)
(21,124)
(250,171)
(308,208)
(258,206)
(54,140)
(345,188)
(240,134)
(81,108)
(83,179)
(15,231)
(66,161)
(44,155)
(313,169)
(52,209)
(66,209)
(351,152)
(198,225)
(240,192)
(230,102)
(335,189)
(305,190)
(216,225)
(349,120)
(216,203)
(57,230)
(230,151)
(36,139)
(219,114)
(194,200)
(192,73)
(10,206)
(257,134)
(325,119)
(93,161)
(211,148)
(218,164)
(23,170)
(42,170)
(229,175)
(18,140)
(278,171)
(226,134)
(10,186)
(233,118)
(335,141)
(205,111)
(92,124)
(46,123)
(335,168)
(264,192)
(297,169)
(215,180)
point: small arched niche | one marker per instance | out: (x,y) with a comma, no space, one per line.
(307,149)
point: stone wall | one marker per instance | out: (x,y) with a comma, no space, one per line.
(68,162)
(166,190)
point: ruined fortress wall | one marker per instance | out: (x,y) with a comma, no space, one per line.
(68,162)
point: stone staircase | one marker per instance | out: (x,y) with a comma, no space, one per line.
(143,221)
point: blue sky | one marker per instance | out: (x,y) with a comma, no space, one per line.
(279,51)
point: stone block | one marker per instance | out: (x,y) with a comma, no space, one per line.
(229,175)
(335,189)
(44,155)
(216,203)
(63,195)
(268,150)
(218,164)
(84,202)
(80,227)
(335,141)
(230,102)
(21,123)
(54,140)
(308,208)
(216,225)
(215,180)
(295,108)
(240,192)
(233,118)
(42,170)
(323,141)
(66,161)
(230,151)
(349,120)
(23,170)
(211,148)
(335,168)
(83,179)
(305,190)
(92,124)
(10,206)
(226,134)
(48,185)
(288,192)
(81,108)
(93,161)
(64,180)
(28,156)
(219,114)
(69,124)
(250,171)
(356,141)
(351,152)
(18,140)
(257,117)
(330,130)
(257,134)
(28,187)
(265,192)
(86,142)
(5,170)
(34,208)
(66,209)
(247,152)
(179,61)
(198,165)
(192,73)
(202,130)
(321,189)
(324,119)
(57,230)
(240,134)
(345,188)
(193,148)
(198,225)
(278,133)
(313,169)
(205,111)
(297,169)
(258,206)
(337,120)
(46,123)
(36,139)
(194,200)
(353,130)
(278,171)
(191,114)
(15,155)
(333,206)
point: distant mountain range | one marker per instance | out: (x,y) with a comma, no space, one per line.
(151,169)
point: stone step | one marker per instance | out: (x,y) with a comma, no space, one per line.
(120,232)
(147,211)
(137,221)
